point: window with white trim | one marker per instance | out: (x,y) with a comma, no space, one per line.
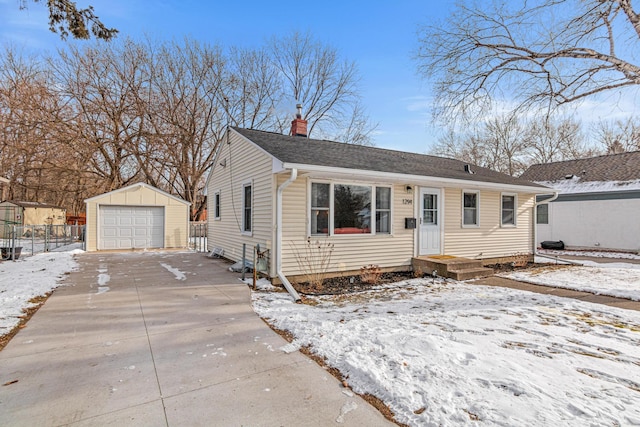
(338,208)
(383,210)
(216,205)
(470,208)
(247,207)
(508,208)
(320,208)
(542,216)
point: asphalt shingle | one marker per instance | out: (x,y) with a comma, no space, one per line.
(307,151)
(614,167)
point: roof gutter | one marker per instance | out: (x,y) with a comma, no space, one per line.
(535,219)
(415,179)
(281,276)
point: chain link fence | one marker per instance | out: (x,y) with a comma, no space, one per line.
(28,240)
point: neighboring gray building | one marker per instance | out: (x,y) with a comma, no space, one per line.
(598,204)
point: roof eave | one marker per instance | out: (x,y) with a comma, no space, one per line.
(414,179)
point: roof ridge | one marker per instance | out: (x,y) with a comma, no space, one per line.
(369,147)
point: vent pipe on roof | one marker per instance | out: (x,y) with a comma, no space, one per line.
(299,125)
(467,169)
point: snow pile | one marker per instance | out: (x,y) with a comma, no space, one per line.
(593,254)
(575,185)
(26,278)
(179,275)
(454,354)
(616,280)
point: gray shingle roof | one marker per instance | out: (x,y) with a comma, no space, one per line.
(26,204)
(306,151)
(613,167)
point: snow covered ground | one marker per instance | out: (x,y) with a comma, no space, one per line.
(444,353)
(617,279)
(29,277)
(593,254)
(453,353)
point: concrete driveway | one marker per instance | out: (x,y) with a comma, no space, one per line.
(162,339)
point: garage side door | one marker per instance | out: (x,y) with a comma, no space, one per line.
(131,227)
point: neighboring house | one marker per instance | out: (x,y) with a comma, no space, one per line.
(136,217)
(598,202)
(14,212)
(376,206)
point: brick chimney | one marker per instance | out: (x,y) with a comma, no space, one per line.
(299,125)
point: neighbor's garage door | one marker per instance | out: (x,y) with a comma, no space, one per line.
(127,227)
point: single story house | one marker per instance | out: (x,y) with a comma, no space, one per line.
(373,205)
(139,216)
(597,205)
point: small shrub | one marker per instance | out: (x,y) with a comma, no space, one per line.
(370,274)
(520,260)
(314,260)
(418,273)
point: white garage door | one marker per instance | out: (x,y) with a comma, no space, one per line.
(128,227)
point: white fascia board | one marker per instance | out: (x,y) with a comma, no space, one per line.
(333,172)
(140,185)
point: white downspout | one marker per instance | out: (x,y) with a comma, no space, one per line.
(535,219)
(281,276)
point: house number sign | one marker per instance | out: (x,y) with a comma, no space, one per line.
(407,201)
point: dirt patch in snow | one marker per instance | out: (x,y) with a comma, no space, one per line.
(28,313)
(349,284)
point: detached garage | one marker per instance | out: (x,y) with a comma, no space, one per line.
(137,217)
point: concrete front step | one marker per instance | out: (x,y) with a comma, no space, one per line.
(453,267)
(470,273)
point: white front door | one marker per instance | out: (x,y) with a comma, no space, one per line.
(429,222)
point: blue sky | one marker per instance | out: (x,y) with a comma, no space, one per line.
(379,36)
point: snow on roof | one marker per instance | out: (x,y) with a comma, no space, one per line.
(575,185)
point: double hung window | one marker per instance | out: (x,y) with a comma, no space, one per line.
(470,207)
(508,209)
(247,208)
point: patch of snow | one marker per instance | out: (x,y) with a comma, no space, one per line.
(346,408)
(262,284)
(454,353)
(616,280)
(179,274)
(27,278)
(576,185)
(593,254)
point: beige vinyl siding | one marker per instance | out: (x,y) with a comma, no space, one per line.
(91,227)
(176,213)
(38,216)
(489,240)
(244,162)
(351,252)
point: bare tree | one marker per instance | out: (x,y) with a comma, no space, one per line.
(97,118)
(327,87)
(552,141)
(30,118)
(618,136)
(185,118)
(105,123)
(542,53)
(510,145)
(65,17)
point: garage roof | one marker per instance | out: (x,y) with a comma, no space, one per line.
(141,185)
